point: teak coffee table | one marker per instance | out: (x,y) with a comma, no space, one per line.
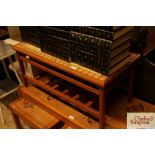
(76,75)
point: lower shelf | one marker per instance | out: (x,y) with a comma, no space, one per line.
(7,86)
(62,112)
(34,116)
(70,93)
(71,117)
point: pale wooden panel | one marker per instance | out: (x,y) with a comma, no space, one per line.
(32,114)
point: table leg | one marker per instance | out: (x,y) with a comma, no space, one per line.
(17,121)
(22,69)
(130,85)
(102,100)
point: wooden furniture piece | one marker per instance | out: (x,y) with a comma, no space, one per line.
(32,114)
(37,109)
(73,76)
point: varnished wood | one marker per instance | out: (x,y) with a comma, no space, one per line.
(55,86)
(1,114)
(68,99)
(91,102)
(36,53)
(76,97)
(32,114)
(103,82)
(45,79)
(82,85)
(102,100)
(59,110)
(65,91)
(91,76)
(66,127)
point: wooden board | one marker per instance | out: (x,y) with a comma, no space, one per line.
(68,115)
(58,109)
(66,127)
(32,114)
(71,68)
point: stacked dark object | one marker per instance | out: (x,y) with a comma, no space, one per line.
(104,49)
(30,34)
(56,41)
(138,41)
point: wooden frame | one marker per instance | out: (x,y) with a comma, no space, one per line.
(73,73)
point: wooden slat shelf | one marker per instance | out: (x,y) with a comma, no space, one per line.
(59,75)
(66,97)
(58,109)
(72,118)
